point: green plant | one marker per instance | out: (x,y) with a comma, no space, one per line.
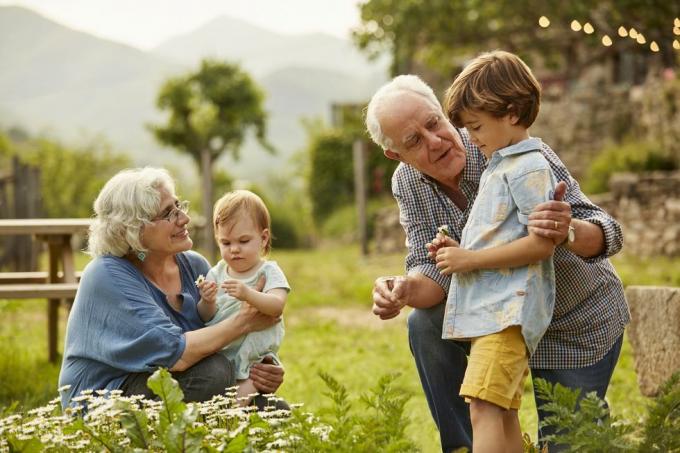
(630,156)
(106,421)
(586,425)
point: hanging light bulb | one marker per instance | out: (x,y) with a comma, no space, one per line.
(575,25)
(544,22)
(641,38)
(606,41)
(588,28)
(632,33)
(654,46)
(676,31)
(676,44)
(623,32)
(676,22)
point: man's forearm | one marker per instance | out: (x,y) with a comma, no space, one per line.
(424,292)
(589,241)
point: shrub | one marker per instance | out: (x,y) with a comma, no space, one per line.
(630,156)
(115,423)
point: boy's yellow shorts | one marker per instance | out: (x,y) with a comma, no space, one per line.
(497,368)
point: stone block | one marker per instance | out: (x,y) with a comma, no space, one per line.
(654,334)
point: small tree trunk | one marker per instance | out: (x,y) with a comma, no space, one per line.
(207,179)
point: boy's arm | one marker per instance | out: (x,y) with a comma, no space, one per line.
(521,252)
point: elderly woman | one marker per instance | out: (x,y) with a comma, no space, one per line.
(137,306)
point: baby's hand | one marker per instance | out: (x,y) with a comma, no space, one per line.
(208,291)
(236,289)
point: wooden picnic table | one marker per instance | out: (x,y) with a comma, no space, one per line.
(60,282)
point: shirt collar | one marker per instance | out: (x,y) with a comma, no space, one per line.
(530,144)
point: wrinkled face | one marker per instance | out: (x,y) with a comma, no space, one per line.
(490,133)
(241,243)
(167,234)
(422,137)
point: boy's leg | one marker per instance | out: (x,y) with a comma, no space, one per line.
(441,366)
(593,378)
(488,427)
(493,383)
(513,432)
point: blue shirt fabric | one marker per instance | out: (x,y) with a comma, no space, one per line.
(590,308)
(121,323)
(485,301)
(254,346)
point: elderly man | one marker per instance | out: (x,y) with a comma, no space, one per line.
(436,184)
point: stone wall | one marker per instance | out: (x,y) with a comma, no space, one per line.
(654,334)
(648,207)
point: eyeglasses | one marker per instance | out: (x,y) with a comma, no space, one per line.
(173,214)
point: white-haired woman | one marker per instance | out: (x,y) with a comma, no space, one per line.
(137,307)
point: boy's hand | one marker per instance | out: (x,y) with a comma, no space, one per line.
(454,259)
(208,291)
(236,289)
(440,241)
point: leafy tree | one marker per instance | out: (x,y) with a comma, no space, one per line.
(70,178)
(330,178)
(438,35)
(210,112)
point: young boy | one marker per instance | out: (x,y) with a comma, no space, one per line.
(502,292)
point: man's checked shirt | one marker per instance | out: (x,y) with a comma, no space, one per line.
(590,308)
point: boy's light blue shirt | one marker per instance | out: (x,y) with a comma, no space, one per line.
(483,302)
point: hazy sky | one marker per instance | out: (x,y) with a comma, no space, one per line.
(146,23)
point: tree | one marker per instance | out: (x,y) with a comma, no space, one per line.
(438,35)
(211,111)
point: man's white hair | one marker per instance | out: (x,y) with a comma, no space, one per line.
(127,202)
(403,83)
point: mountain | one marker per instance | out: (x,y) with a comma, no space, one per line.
(75,85)
(262,51)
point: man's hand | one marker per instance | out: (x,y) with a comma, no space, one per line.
(440,241)
(208,291)
(390,295)
(454,259)
(551,219)
(266,376)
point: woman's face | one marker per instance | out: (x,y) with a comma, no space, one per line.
(167,233)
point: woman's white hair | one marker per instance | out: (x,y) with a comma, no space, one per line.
(410,83)
(127,202)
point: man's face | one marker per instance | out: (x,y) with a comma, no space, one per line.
(422,137)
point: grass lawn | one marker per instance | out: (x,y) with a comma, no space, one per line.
(329,328)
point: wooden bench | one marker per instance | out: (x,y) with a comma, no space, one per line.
(38,290)
(8,278)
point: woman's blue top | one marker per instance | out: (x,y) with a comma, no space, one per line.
(121,323)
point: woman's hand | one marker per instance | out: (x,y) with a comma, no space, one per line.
(266,376)
(253,320)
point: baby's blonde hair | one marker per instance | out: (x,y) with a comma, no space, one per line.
(239,202)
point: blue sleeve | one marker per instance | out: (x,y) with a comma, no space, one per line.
(534,184)
(117,321)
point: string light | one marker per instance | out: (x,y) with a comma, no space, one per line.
(676,30)
(676,22)
(588,28)
(641,38)
(606,41)
(633,33)
(654,46)
(575,25)
(623,32)
(676,44)
(544,22)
